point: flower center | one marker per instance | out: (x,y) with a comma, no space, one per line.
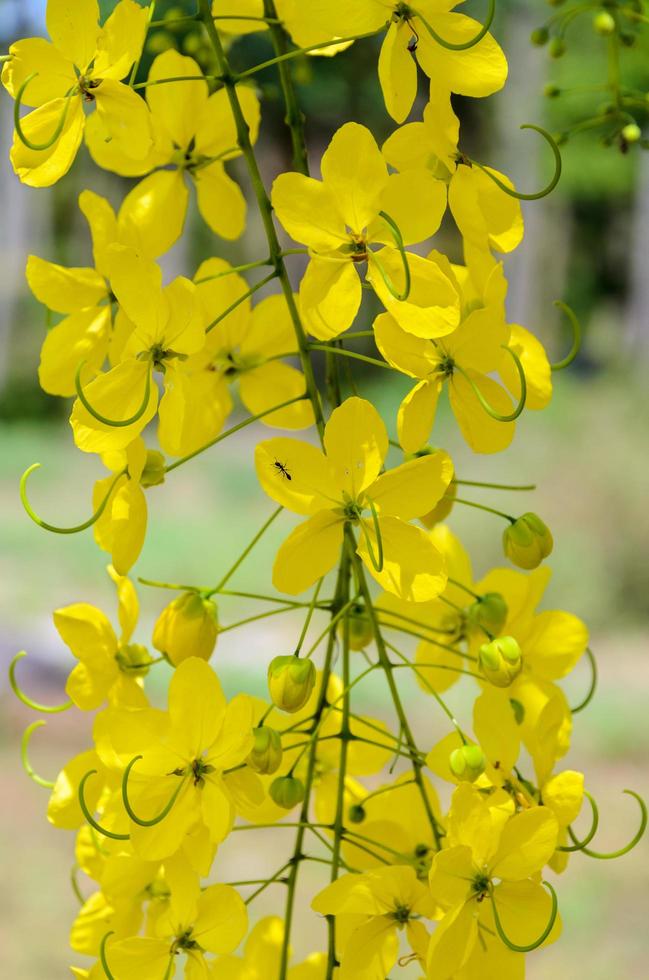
(481,884)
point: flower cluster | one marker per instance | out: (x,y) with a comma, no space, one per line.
(156,370)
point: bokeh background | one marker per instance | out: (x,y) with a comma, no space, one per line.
(589,245)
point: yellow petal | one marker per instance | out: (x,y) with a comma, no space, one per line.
(438,678)
(330,296)
(356,443)
(125,117)
(216,131)
(414,223)
(296,475)
(196,707)
(477,71)
(128,604)
(372,950)
(416,415)
(42,168)
(140,958)
(272,384)
(397,72)
(412,489)
(452,942)
(88,687)
(243,8)
(63,808)
(496,730)
(483,433)
(486,216)
(128,515)
(355,174)
(118,394)
(527,842)
(81,337)
(103,226)
(412,355)
(222,920)
(63,289)
(524,908)
(87,632)
(555,643)
(564,795)
(216,809)
(137,283)
(271,331)
(309,552)
(536,366)
(308,211)
(74,29)
(152,216)
(220,201)
(451,875)
(56,75)
(433,305)
(413,569)
(192,411)
(121,40)
(178,105)
(110,155)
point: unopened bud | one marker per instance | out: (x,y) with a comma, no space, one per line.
(360,628)
(287,791)
(187,627)
(489,612)
(551,91)
(501,660)
(557,47)
(603,24)
(467,762)
(527,541)
(356,813)
(266,754)
(153,473)
(540,36)
(290,682)
(631,133)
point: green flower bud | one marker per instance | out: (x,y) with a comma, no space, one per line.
(134,659)
(153,473)
(266,755)
(356,813)
(501,660)
(467,762)
(287,791)
(551,91)
(187,627)
(527,541)
(631,133)
(540,36)
(360,628)
(489,612)
(557,47)
(159,41)
(290,682)
(603,24)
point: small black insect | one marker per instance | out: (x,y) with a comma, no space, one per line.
(281,469)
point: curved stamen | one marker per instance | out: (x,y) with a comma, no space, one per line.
(579,845)
(53,527)
(27,766)
(483,401)
(544,935)
(26,700)
(18,126)
(127,806)
(576,336)
(88,815)
(398,241)
(376,562)
(113,423)
(593,682)
(632,843)
(450,45)
(102,955)
(519,195)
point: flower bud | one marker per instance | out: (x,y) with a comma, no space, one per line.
(356,813)
(551,91)
(527,541)
(557,47)
(287,791)
(539,36)
(187,627)
(153,473)
(467,762)
(489,612)
(290,682)
(360,628)
(631,133)
(266,754)
(603,24)
(501,660)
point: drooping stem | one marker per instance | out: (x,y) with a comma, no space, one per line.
(294,116)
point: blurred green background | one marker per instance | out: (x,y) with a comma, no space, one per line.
(589,245)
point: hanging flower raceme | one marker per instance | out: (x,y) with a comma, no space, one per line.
(82,64)
(194,135)
(346,489)
(356,205)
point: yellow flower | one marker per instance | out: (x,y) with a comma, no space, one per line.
(195,135)
(491,860)
(213,921)
(82,64)
(355,205)
(166,327)
(372,908)
(186,753)
(108,668)
(262,957)
(337,490)
(121,528)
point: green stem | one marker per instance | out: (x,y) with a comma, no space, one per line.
(242,299)
(259,263)
(490,510)
(298,52)
(341,352)
(244,554)
(494,486)
(294,118)
(443,705)
(309,615)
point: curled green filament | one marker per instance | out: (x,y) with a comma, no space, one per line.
(628,847)
(113,423)
(127,805)
(88,815)
(26,700)
(519,195)
(102,955)
(27,766)
(18,126)
(464,46)
(593,683)
(398,241)
(579,845)
(512,416)
(544,935)
(377,562)
(53,527)
(576,336)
